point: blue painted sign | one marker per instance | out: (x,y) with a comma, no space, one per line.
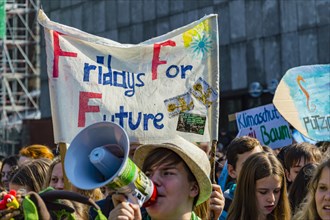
(303,98)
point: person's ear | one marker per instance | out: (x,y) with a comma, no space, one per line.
(231,171)
(194,189)
(288,176)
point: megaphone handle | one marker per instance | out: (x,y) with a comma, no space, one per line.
(134,200)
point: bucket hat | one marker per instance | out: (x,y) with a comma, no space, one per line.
(192,155)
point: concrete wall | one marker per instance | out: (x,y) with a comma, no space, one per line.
(259,39)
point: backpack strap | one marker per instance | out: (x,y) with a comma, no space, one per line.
(34,207)
(45,204)
(53,195)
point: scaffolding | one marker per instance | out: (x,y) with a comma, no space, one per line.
(19,71)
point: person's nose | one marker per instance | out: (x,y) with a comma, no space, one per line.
(155,178)
(271,198)
(327,195)
(60,185)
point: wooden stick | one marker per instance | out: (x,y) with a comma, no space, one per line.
(212,160)
(67,184)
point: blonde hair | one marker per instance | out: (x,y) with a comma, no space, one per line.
(33,174)
(307,209)
(37,151)
(203,210)
(256,167)
(94,194)
(79,208)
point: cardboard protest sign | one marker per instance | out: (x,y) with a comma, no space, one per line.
(266,124)
(303,98)
(166,86)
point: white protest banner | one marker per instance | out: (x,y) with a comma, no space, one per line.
(303,98)
(266,124)
(162,87)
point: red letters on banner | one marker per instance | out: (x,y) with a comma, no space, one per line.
(155,59)
(84,107)
(59,52)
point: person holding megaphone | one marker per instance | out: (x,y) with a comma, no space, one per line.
(180,171)
(168,179)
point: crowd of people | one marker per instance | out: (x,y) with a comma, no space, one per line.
(254,182)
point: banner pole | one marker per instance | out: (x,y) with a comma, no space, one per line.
(214,111)
(212,160)
(63,148)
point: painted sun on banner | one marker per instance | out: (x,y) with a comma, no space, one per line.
(146,88)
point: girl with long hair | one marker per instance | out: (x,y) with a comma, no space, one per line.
(261,190)
(317,201)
